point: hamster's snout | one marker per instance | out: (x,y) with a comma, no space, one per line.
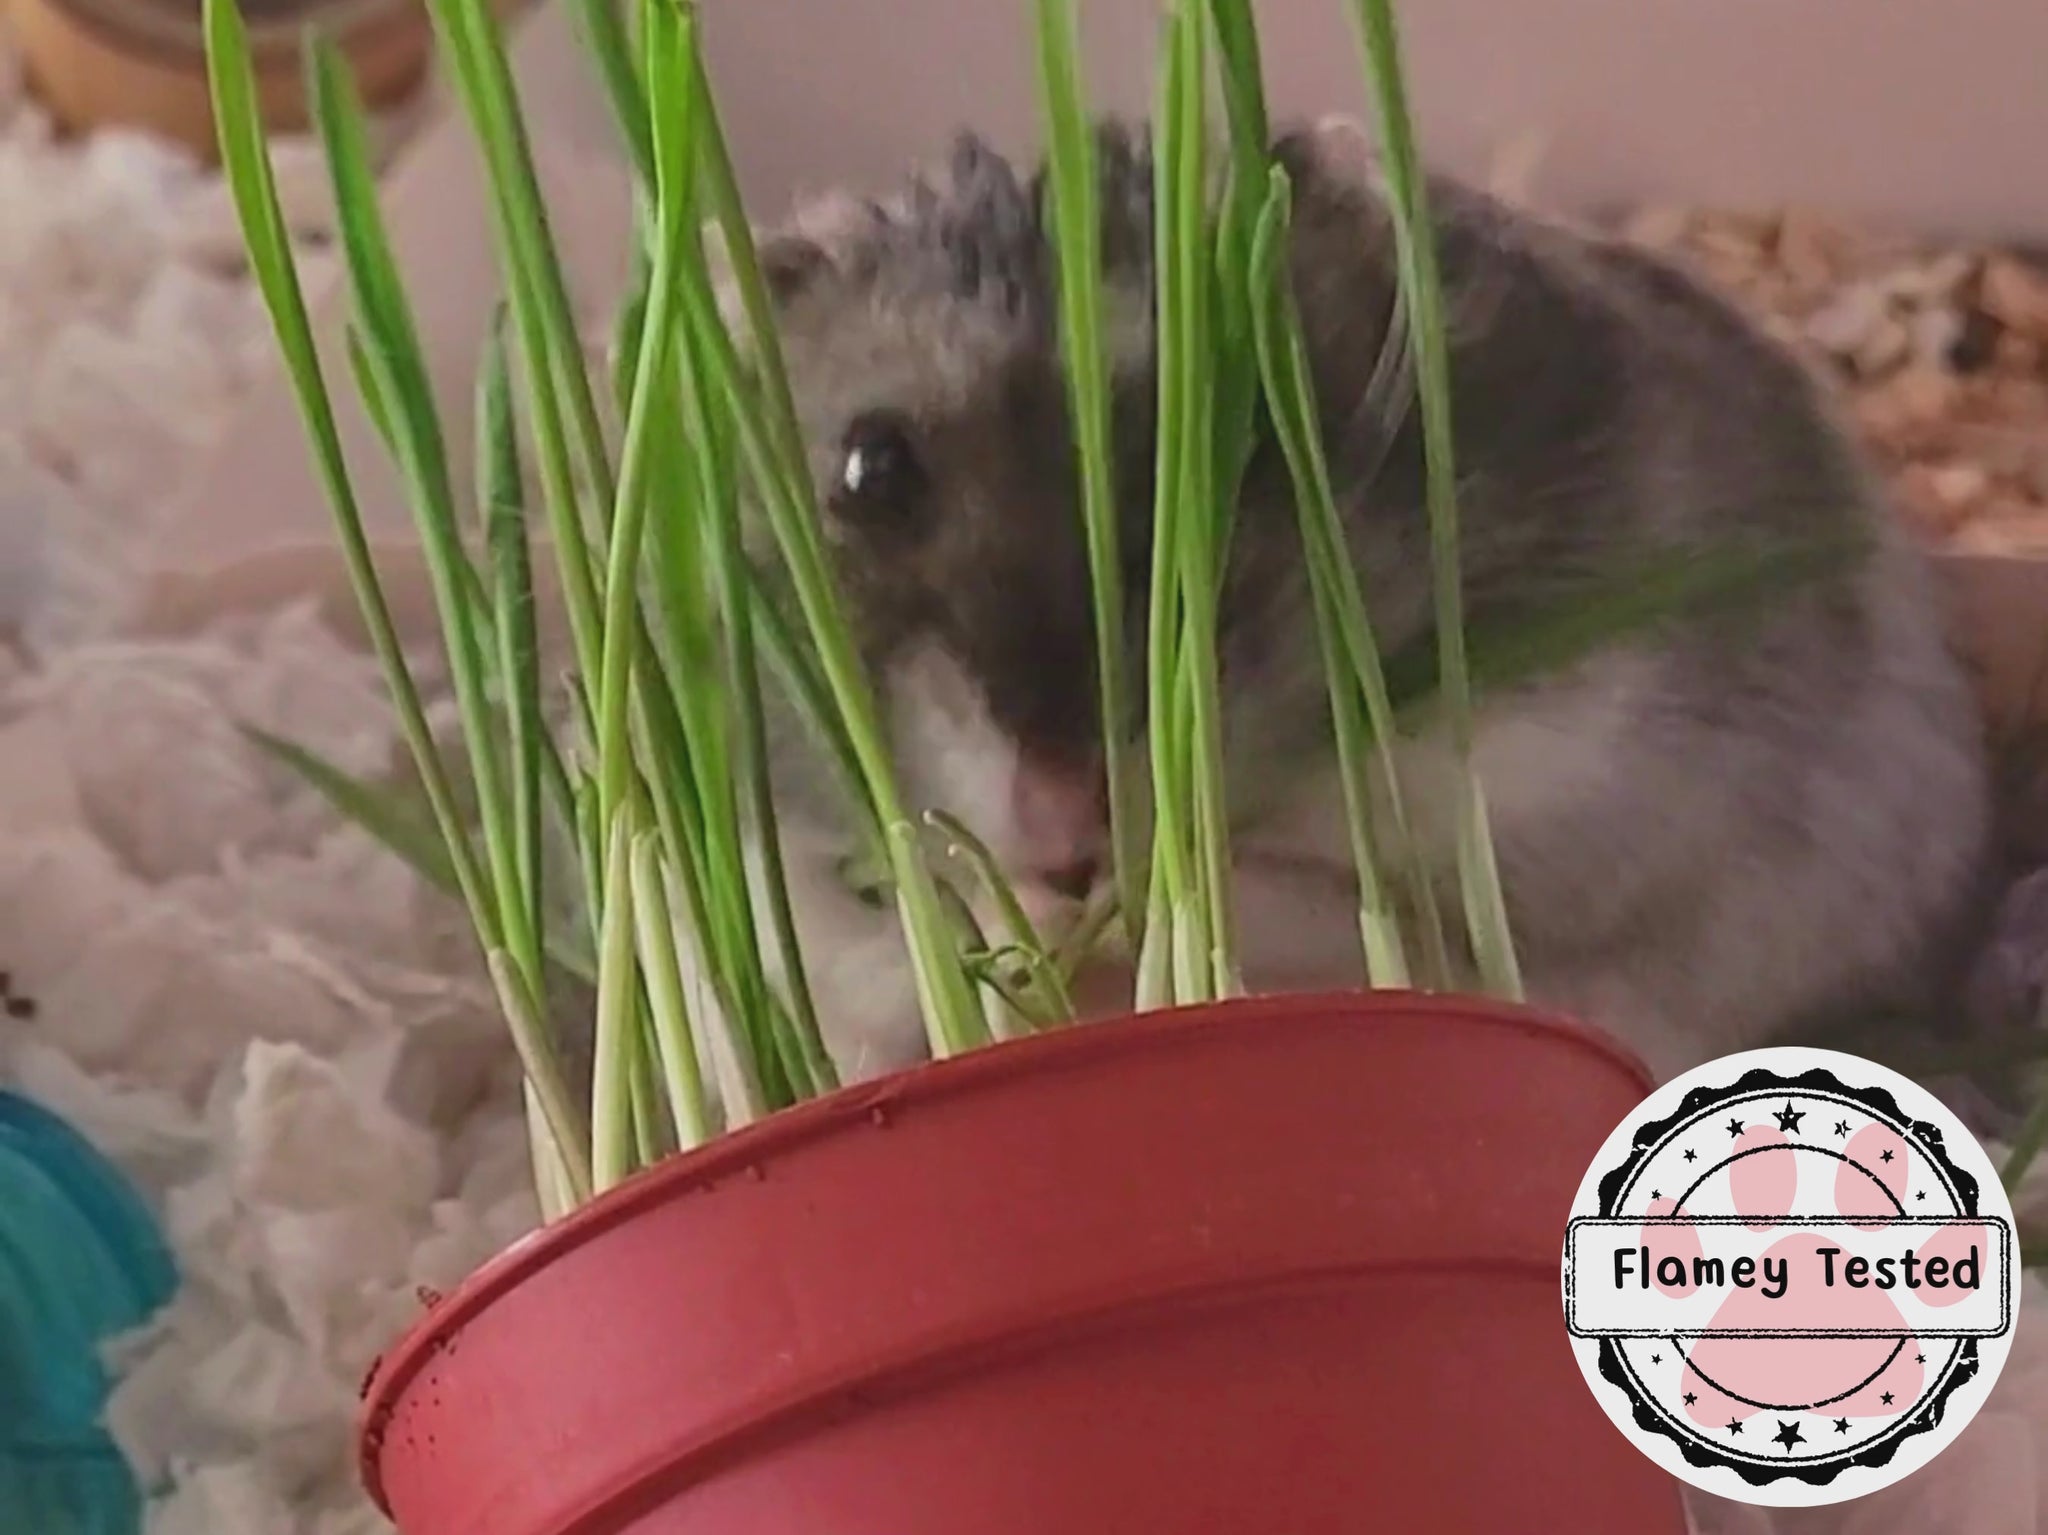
(1060,811)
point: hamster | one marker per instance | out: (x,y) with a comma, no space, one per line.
(1706,835)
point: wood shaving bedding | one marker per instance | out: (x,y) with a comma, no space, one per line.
(1939,352)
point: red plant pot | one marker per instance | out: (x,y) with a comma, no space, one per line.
(1285,1266)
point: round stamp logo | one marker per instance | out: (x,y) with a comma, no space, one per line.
(1790,1277)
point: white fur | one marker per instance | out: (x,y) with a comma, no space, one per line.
(954,756)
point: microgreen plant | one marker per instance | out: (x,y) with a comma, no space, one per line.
(1076,221)
(1226,330)
(657,778)
(660,777)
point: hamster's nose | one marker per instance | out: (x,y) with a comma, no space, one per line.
(1060,814)
(1073,881)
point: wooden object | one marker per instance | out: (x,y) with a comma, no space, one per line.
(142,63)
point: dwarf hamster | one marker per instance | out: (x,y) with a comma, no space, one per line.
(1706,835)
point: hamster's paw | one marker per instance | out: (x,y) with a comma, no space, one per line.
(866,997)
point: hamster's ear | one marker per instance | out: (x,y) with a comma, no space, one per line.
(982,178)
(790,264)
(819,241)
(1123,159)
(1341,262)
(1124,152)
(1334,160)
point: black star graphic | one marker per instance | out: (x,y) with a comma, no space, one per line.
(1841,1425)
(1690,1399)
(1656,1193)
(1692,1156)
(1734,1427)
(1887,1399)
(1788,1434)
(1841,1127)
(1919,1359)
(1735,1127)
(1788,1118)
(1656,1359)
(1886,1157)
(1921,1195)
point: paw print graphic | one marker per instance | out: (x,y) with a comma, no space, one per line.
(1789,1278)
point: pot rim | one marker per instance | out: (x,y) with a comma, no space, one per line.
(1057,1050)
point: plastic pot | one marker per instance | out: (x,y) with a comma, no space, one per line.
(1284,1266)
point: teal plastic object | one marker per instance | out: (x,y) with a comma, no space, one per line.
(81,1260)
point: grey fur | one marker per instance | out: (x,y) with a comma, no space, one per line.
(1706,836)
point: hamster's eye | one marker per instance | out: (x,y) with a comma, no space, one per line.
(880,478)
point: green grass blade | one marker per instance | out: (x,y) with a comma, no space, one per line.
(603,31)
(1024,937)
(370,391)
(955,1021)
(567,533)
(1074,185)
(677,110)
(381,812)
(794,666)
(629,324)
(1010,1009)
(1189,529)
(1244,92)
(1216,379)
(683,718)
(589,840)
(728,211)
(1421,293)
(561,1135)
(552,1187)
(1421,290)
(697,715)
(1170,793)
(1686,583)
(385,813)
(1479,876)
(655,353)
(392,353)
(801,1040)
(503,493)
(1360,700)
(699,830)
(770,445)
(246,165)
(484,77)
(1152,987)
(652,1136)
(797,672)
(1236,390)
(1085,938)
(560,406)
(824,674)
(675,1035)
(612,1142)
